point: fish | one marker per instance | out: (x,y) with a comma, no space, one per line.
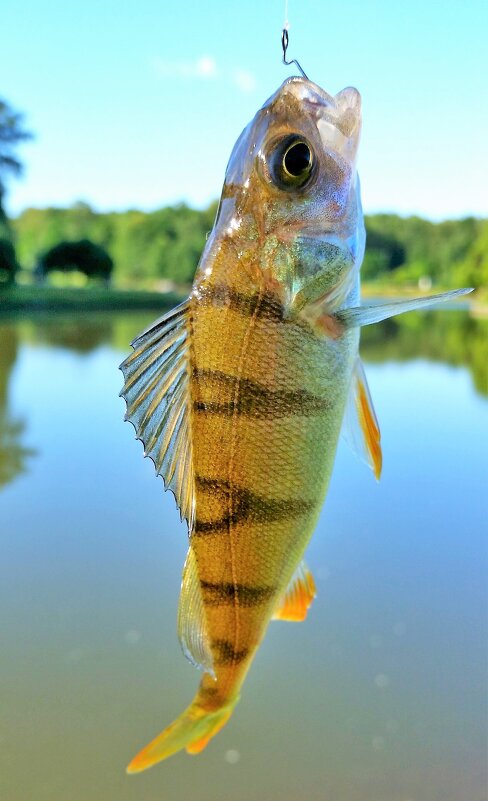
(239,393)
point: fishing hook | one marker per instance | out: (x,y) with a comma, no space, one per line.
(284,44)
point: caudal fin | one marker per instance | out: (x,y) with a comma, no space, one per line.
(192,730)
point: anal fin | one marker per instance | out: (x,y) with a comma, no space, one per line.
(192,626)
(298,597)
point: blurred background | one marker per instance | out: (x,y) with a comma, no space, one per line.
(116,123)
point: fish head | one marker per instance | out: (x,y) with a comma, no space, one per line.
(291,195)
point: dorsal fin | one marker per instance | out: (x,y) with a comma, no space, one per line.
(156,391)
(360,426)
(298,596)
(192,626)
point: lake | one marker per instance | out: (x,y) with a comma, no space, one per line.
(381,695)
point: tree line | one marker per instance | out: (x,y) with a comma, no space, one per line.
(137,249)
(166,244)
(144,247)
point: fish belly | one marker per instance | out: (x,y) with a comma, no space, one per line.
(268,397)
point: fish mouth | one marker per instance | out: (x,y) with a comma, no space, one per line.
(314,97)
(338,117)
(305,92)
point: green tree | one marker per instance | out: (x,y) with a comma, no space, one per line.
(85,256)
(473,270)
(8,262)
(167,243)
(12,132)
(385,250)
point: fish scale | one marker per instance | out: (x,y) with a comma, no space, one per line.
(262,467)
(239,393)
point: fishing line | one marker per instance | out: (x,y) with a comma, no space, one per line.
(285,41)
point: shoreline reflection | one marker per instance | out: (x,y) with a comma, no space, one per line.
(13,454)
(449,337)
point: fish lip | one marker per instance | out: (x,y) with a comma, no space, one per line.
(309,92)
(304,91)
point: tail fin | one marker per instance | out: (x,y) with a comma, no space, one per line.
(192,730)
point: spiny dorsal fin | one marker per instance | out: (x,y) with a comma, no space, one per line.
(192,626)
(298,596)
(156,391)
(360,427)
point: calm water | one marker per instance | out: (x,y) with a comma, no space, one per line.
(379,696)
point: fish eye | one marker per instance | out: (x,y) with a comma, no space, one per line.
(291,162)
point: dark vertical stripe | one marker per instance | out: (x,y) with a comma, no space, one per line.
(265,305)
(226,654)
(254,399)
(247,506)
(215,594)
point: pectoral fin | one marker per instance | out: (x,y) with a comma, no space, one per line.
(298,597)
(156,391)
(360,427)
(366,315)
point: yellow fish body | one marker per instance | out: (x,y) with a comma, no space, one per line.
(239,394)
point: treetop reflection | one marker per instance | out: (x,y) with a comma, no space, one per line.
(13,454)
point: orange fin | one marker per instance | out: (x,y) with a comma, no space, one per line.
(192,731)
(369,423)
(361,427)
(198,745)
(298,597)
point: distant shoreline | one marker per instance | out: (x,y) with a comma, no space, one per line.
(54,299)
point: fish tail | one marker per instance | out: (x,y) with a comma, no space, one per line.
(192,730)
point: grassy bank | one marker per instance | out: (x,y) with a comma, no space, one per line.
(44,298)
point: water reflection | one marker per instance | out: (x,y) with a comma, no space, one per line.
(83,333)
(80,334)
(451,337)
(13,454)
(379,696)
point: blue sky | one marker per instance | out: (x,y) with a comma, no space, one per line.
(136,105)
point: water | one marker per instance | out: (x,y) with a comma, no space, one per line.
(379,696)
